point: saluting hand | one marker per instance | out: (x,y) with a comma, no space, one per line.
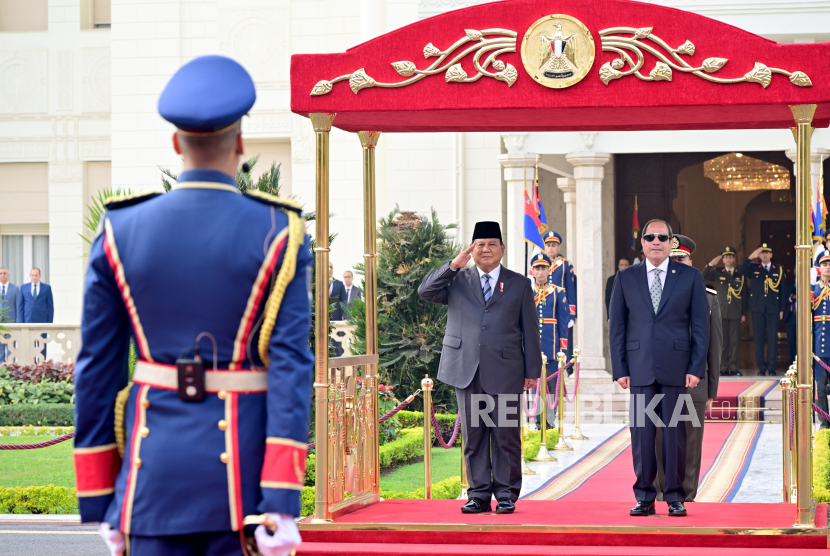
(755,254)
(691,381)
(463,258)
(716,260)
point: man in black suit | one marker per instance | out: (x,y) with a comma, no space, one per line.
(609,285)
(659,336)
(337,295)
(352,291)
(491,354)
(790,317)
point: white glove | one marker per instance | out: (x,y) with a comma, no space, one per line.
(114,539)
(281,543)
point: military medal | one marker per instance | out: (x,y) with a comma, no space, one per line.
(501,287)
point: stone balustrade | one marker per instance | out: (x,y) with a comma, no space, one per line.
(24,342)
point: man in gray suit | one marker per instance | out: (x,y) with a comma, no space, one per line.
(491,354)
(703,394)
(8,304)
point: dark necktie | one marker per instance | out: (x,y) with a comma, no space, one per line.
(488,292)
(34,293)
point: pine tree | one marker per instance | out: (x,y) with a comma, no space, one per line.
(411,330)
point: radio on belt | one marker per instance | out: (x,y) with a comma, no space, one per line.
(191,378)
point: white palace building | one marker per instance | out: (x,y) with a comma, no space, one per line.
(79,82)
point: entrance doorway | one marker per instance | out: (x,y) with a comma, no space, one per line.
(673,187)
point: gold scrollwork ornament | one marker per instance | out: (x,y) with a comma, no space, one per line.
(558,51)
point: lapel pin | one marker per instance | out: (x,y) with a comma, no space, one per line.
(501,287)
(673,271)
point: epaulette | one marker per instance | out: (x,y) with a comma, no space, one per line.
(713,292)
(121,201)
(267,198)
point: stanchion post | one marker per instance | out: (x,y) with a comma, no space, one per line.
(791,397)
(464,484)
(805,510)
(543,454)
(368,141)
(426,387)
(577,434)
(526,470)
(561,445)
(322,126)
(785,423)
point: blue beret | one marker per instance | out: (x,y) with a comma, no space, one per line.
(540,260)
(207,94)
(553,237)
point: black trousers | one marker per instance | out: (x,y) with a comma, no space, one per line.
(821,377)
(765,328)
(694,455)
(729,355)
(643,438)
(492,453)
(792,336)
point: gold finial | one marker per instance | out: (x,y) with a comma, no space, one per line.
(368,139)
(321,121)
(803,113)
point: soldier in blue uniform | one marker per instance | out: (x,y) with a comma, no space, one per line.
(562,275)
(211,286)
(766,301)
(552,311)
(821,332)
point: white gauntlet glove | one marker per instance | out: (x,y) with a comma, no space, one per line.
(114,539)
(281,543)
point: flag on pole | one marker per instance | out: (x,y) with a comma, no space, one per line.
(819,216)
(535,223)
(635,227)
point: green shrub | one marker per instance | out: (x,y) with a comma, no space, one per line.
(41,414)
(409,445)
(307,501)
(532,443)
(46,391)
(38,500)
(821,466)
(310,469)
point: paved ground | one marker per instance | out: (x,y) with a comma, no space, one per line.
(50,540)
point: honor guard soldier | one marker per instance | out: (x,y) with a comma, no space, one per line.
(821,333)
(552,310)
(211,286)
(766,301)
(562,275)
(706,390)
(732,302)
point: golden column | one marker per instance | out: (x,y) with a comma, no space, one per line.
(369,140)
(322,127)
(803,115)
(561,445)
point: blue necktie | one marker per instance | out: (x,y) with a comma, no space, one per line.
(485,285)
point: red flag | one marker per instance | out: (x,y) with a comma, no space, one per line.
(635,227)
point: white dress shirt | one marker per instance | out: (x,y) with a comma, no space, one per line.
(664,266)
(766,266)
(494,277)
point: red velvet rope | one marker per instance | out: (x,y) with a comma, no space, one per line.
(52,442)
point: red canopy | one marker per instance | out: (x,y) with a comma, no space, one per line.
(479,84)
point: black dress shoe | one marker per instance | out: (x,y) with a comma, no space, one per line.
(737,373)
(476,506)
(643,508)
(677,509)
(506,506)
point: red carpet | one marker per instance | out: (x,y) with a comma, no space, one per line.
(387,549)
(562,524)
(607,473)
(744,394)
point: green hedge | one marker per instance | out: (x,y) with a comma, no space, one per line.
(38,500)
(448,489)
(41,414)
(415,419)
(532,442)
(409,445)
(821,466)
